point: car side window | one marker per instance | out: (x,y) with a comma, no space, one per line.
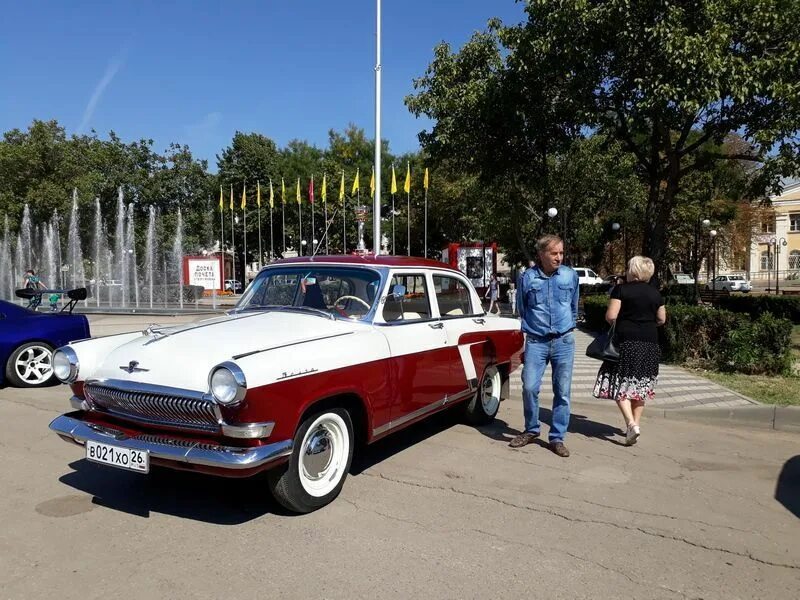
(413,305)
(452,295)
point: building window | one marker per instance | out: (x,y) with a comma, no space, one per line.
(768,226)
(794,259)
(794,222)
(767,263)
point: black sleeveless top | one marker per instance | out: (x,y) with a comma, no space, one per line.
(637,316)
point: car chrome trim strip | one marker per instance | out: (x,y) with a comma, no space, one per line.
(421,412)
(314,339)
(181,451)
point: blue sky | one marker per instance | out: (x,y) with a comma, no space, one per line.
(196,72)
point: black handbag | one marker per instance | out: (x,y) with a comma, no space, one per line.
(604,346)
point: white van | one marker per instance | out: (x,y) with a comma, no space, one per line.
(587,277)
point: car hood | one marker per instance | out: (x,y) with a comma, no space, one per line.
(182,356)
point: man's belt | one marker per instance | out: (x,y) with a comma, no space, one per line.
(550,336)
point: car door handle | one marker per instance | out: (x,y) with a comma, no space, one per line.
(435,325)
(479,321)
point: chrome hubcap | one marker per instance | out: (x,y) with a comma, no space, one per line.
(490,392)
(317,454)
(34,365)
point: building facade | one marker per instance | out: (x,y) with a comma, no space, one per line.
(775,243)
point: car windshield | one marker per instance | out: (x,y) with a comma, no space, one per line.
(341,292)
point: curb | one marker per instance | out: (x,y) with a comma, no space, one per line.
(759,416)
(763,416)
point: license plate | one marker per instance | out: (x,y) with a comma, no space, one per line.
(124,458)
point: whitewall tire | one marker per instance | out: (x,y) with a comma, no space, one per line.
(321,456)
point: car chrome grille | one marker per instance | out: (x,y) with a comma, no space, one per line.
(172,410)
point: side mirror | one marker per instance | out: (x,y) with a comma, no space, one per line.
(398,292)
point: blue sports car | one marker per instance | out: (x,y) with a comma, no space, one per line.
(28,338)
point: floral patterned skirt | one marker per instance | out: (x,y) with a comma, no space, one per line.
(634,377)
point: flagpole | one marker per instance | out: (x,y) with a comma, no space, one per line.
(426,222)
(260,254)
(376,204)
(344,218)
(393,211)
(283,215)
(300,220)
(271,233)
(233,243)
(244,235)
(311,201)
(408,221)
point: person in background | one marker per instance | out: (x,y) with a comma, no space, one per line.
(54,298)
(638,310)
(493,293)
(31,281)
(512,298)
(547,301)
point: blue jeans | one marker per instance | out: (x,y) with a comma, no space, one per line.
(560,353)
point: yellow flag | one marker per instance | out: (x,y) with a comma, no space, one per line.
(324,187)
(407,184)
(258,194)
(356,185)
(425,181)
(394,182)
(341,189)
(220,199)
(231,197)
(271,194)
(283,192)
(244,196)
(298,190)
(372,184)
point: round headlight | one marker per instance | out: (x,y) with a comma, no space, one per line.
(65,364)
(227,383)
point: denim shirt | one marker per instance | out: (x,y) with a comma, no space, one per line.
(548,304)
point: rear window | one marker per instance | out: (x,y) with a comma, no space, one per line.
(736,278)
(452,295)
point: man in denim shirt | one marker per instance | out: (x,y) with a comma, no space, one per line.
(547,302)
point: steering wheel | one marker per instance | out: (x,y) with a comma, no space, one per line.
(356,298)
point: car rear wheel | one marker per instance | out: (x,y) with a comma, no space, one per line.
(31,365)
(483,406)
(320,460)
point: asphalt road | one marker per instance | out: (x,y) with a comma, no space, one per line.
(441,510)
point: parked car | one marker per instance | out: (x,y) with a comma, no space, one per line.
(233,285)
(587,276)
(318,353)
(682,279)
(27,341)
(732,283)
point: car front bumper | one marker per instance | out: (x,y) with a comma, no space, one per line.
(217,459)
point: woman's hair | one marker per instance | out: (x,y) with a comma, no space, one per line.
(640,268)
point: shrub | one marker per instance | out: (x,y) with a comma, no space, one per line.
(784,307)
(692,334)
(679,294)
(757,347)
(594,312)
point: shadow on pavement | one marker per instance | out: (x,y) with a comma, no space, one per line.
(369,456)
(787,491)
(500,430)
(182,494)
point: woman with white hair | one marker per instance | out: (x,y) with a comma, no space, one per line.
(637,308)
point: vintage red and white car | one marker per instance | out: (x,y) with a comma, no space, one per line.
(319,354)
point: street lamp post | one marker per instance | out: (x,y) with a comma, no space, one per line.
(713,234)
(615,227)
(777,242)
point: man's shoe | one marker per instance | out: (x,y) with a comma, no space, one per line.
(523,439)
(560,449)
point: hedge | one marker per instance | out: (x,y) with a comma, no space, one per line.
(716,339)
(784,307)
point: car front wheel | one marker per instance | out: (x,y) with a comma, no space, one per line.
(31,365)
(483,406)
(321,456)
